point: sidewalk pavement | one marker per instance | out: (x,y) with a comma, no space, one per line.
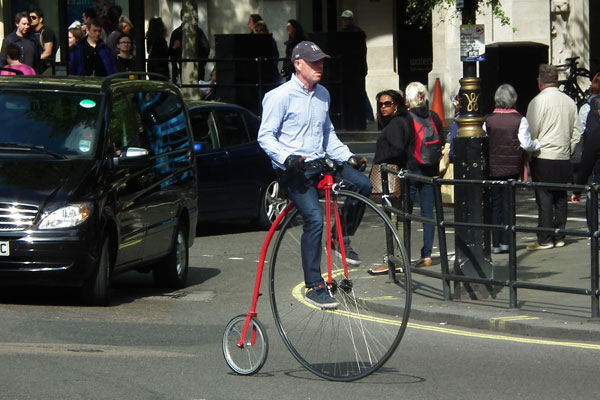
(540,313)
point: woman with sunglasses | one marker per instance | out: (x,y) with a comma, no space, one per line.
(392,144)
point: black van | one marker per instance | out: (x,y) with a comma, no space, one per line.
(97,177)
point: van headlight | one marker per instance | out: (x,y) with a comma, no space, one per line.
(66,217)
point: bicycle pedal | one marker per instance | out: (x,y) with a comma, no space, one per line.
(346,285)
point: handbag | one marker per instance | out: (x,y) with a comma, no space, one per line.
(394,186)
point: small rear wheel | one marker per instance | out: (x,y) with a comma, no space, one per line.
(172,272)
(249,358)
(96,289)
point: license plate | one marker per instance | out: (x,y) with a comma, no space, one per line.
(4,249)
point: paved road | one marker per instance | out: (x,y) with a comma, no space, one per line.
(166,345)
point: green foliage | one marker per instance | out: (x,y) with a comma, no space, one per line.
(419,11)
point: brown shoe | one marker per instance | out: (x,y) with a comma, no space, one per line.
(540,246)
(382,270)
(424,262)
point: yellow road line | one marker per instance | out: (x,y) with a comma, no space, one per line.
(297,293)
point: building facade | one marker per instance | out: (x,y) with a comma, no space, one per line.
(397,53)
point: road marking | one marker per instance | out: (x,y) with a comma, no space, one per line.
(490,336)
(297,293)
(235,258)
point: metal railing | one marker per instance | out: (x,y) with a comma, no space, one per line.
(512,283)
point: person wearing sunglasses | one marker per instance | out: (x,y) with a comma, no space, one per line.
(392,145)
(44,37)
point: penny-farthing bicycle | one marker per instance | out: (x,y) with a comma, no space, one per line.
(341,344)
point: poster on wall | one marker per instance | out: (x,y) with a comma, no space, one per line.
(472,43)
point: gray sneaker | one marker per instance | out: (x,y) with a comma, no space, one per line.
(351,255)
(320,297)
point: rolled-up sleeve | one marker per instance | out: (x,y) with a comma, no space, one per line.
(524,135)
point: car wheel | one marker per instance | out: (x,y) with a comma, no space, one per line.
(271,205)
(96,289)
(172,272)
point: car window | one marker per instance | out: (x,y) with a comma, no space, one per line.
(252,123)
(61,122)
(232,129)
(203,128)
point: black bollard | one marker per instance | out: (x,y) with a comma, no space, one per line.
(472,203)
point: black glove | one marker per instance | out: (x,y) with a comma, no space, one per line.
(294,163)
(359,164)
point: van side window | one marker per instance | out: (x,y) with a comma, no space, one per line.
(232,129)
(163,121)
(125,123)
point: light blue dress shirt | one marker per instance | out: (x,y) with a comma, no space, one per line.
(295,122)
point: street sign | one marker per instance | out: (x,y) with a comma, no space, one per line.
(472,43)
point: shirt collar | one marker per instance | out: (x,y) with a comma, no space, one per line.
(301,85)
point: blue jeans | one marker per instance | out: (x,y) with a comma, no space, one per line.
(301,188)
(426,203)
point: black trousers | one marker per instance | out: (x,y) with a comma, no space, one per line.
(501,210)
(552,204)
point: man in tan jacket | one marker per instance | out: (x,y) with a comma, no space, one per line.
(552,117)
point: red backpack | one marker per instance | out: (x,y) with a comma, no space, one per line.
(428,144)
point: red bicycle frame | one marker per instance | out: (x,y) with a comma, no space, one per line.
(326,184)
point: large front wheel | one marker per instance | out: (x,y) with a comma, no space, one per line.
(356,338)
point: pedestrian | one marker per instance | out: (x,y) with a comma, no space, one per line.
(88,15)
(590,158)
(260,28)
(425,127)
(124,60)
(91,57)
(124,26)
(45,38)
(201,49)
(296,132)
(585,108)
(508,138)
(553,121)
(156,46)
(392,144)
(13,55)
(113,19)
(254,18)
(360,45)
(295,35)
(74,35)
(21,36)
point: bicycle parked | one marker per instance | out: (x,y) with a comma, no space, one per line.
(362,332)
(576,79)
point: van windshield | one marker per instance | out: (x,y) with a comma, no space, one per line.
(60,123)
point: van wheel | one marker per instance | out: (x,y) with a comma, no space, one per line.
(272,204)
(96,289)
(172,272)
